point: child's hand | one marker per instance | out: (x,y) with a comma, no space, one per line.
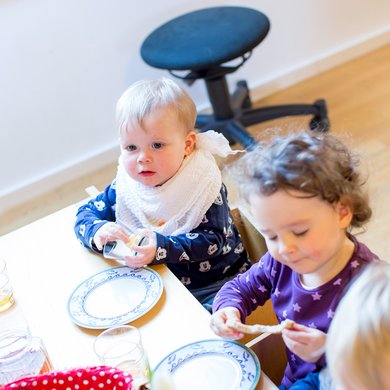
(110,231)
(219,319)
(307,343)
(145,254)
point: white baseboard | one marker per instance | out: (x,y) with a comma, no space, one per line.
(75,169)
(56,178)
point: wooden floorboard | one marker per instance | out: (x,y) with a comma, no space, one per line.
(358,98)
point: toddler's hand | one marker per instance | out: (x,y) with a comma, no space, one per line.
(307,343)
(110,231)
(219,319)
(145,254)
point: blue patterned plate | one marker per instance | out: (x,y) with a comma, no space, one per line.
(212,365)
(114,296)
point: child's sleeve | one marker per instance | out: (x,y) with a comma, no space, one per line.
(247,291)
(93,214)
(210,239)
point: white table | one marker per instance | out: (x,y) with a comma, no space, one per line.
(46,263)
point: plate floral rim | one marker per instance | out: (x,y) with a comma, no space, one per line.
(247,360)
(78,314)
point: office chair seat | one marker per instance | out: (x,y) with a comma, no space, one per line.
(210,43)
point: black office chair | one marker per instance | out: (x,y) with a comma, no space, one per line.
(202,43)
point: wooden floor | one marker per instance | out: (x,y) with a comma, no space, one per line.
(358,98)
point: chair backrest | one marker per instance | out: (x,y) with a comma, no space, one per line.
(253,241)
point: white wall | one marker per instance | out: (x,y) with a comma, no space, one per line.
(63,65)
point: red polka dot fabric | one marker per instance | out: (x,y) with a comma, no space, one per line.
(91,378)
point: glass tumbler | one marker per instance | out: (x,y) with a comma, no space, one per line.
(118,250)
(21,354)
(121,347)
(6,292)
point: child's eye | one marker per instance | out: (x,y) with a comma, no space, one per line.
(157,145)
(298,234)
(273,238)
(131,148)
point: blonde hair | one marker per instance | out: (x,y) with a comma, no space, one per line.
(358,342)
(144,96)
(317,164)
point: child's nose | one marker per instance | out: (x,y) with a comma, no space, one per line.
(143,157)
(286,246)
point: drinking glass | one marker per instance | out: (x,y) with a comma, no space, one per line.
(121,347)
(21,354)
(119,250)
(6,292)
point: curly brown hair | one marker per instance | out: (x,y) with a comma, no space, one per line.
(317,164)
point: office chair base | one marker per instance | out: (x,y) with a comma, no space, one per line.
(232,114)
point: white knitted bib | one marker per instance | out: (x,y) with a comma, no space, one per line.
(177,206)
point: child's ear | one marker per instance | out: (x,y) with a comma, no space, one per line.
(190,143)
(344,210)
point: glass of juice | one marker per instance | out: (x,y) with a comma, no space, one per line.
(6,292)
(121,347)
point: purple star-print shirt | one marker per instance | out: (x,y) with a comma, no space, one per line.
(311,307)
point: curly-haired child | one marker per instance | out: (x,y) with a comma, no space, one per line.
(305,193)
